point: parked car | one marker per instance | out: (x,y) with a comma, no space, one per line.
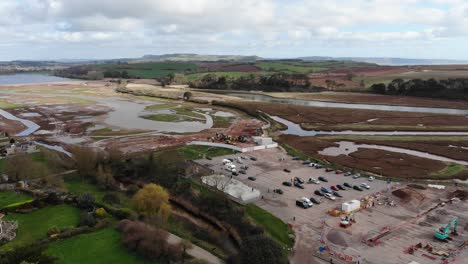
(244,167)
(287,170)
(365,185)
(242,172)
(296,158)
(231,160)
(278,191)
(299,185)
(348,173)
(235,173)
(328,169)
(298,179)
(253,158)
(339,172)
(340,187)
(357,188)
(318,192)
(315,201)
(252,178)
(318,166)
(313,180)
(306,162)
(371,178)
(337,194)
(243,157)
(307,201)
(357,175)
(312,164)
(347,185)
(322,179)
(325,190)
(302,204)
(333,187)
(330,196)
(286,183)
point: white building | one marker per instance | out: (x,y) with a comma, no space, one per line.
(351,206)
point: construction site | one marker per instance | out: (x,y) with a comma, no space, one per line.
(405,222)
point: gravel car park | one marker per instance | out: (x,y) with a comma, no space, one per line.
(269,174)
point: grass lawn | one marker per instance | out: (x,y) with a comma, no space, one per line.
(276,228)
(197,152)
(449,171)
(34,225)
(102,246)
(8,198)
(221,122)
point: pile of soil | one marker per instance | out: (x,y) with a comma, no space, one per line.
(417,186)
(460,194)
(409,195)
(336,237)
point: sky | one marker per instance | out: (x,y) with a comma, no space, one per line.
(102,29)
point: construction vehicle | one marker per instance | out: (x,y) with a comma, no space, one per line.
(443,234)
(347,221)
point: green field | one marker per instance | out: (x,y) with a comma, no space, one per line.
(169,118)
(287,67)
(149,70)
(99,247)
(34,225)
(197,152)
(231,75)
(6,105)
(274,227)
(9,198)
(449,171)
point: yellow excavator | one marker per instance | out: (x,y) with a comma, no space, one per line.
(443,234)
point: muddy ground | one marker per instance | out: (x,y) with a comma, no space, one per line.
(382,162)
(368,98)
(325,118)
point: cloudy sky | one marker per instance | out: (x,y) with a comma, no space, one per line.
(54,29)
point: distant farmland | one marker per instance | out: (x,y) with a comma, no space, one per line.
(149,70)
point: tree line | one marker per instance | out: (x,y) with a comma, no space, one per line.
(278,82)
(456,88)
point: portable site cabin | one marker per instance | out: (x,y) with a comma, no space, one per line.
(351,206)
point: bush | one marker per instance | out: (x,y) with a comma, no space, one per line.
(86,201)
(101,213)
(148,241)
(87,219)
(260,249)
(111,199)
(29,253)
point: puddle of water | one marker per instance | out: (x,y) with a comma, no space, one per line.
(266,98)
(295,129)
(30,114)
(347,147)
(224,114)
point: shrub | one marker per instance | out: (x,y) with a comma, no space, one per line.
(86,201)
(148,241)
(101,213)
(87,219)
(111,199)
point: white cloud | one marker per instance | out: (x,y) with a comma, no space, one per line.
(239,25)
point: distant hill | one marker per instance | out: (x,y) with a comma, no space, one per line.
(196,57)
(387,61)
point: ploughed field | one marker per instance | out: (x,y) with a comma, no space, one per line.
(320,118)
(389,163)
